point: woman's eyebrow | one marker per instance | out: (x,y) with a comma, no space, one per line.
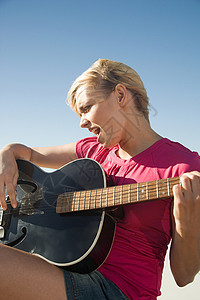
(80,109)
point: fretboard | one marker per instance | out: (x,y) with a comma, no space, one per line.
(116,195)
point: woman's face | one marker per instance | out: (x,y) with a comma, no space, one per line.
(100,116)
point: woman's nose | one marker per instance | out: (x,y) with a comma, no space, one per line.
(84,122)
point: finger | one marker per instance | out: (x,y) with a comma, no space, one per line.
(178,200)
(191,181)
(177,192)
(195,183)
(186,186)
(2,198)
(193,173)
(11,190)
(15,178)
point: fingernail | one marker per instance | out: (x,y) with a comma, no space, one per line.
(14,205)
(4,207)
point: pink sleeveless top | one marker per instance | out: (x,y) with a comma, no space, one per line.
(135,262)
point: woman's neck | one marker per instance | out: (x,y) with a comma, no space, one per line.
(137,143)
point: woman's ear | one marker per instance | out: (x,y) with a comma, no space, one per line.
(121,94)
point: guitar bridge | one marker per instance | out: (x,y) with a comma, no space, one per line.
(28,205)
(28,197)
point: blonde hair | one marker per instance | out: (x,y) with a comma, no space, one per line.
(103,76)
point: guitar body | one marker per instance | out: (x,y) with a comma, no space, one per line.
(78,241)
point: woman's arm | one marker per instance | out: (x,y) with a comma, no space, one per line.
(49,157)
(53,157)
(185,247)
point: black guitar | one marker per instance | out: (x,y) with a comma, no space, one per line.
(63,216)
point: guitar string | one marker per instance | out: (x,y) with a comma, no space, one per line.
(126,191)
(110,190)
(98,199)
(110,193)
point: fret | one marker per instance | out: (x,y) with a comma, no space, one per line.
(168,187)
(157,188)
(67,202)
(138,192)
(129,194)
(151,190)
(73,201)
(79,200)
(119,194)
(95,198)
(101,198)
(89,201)
(82,200)
(163,189)
(147,191)
(107,197)
(126,194)
(88,197)
(142,192)
(114,195)
(121,201)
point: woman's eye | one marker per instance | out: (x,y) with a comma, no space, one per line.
(86,109)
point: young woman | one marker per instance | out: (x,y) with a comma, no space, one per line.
(112,103)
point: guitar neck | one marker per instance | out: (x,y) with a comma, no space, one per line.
(116,195)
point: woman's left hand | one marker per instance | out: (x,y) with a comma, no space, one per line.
(187,205)
(185,247)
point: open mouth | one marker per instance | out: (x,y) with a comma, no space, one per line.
(95,130)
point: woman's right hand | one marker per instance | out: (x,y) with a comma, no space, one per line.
(48,157)
(8,176)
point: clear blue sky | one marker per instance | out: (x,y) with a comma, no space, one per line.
(46,44)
